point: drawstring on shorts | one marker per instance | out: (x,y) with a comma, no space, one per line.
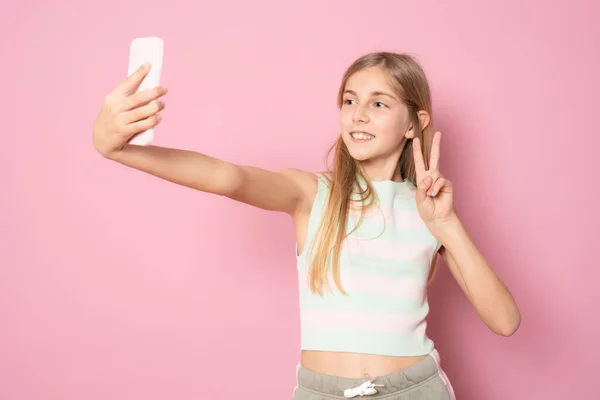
(366,388)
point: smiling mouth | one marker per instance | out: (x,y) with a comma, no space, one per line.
(356,135)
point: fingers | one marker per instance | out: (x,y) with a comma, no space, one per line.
(425,184)
(434,157)
(418,159)
(132,82)
(436,187)
(439,184)
(141,126)
(144,97)
(138,114)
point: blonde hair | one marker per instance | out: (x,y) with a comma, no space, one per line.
(410,83)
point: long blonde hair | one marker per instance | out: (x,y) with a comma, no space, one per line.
(410,83)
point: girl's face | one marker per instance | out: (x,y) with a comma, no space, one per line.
(374,122)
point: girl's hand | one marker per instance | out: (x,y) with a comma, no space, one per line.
(434,192)
(126,113)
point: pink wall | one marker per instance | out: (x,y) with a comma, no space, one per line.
(116,285)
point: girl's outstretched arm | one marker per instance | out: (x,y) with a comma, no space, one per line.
(126,113)
(269,190)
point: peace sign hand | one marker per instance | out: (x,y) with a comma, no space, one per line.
(434,192)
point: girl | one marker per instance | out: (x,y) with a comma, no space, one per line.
(368,231)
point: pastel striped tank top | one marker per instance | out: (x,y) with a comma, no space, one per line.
(384,268)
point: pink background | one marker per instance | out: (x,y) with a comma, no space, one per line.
(117,285)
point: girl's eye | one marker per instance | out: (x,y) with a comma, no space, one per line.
(348,101)
(379,104)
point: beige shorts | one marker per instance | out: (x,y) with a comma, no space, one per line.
(424,380)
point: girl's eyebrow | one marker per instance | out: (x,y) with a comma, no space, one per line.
(373,94)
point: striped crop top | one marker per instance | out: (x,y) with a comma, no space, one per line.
(384,268)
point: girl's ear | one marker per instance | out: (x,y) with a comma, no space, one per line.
(423,121)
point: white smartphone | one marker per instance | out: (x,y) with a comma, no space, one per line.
(146,49)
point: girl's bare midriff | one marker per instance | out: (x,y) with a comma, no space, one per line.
(352,365)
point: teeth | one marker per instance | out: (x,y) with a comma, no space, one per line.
(362,136)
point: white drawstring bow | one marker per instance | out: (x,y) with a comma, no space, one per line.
(365,389)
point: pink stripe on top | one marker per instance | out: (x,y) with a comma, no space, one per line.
(363,321)
(385,286)
(391,251)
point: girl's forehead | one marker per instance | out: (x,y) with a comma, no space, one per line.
(369,79)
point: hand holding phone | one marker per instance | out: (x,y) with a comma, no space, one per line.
(142,50)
